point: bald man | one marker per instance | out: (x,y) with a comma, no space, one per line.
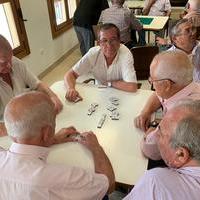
(15,78)
(171,76)
(24,170)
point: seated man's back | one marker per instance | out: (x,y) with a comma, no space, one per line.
(29,176)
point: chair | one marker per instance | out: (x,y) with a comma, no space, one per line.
(143,56)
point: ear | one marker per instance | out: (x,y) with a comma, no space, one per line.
(98,43)
(174,39)
(182,156)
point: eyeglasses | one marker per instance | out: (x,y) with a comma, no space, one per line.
(151,81)
(111,41)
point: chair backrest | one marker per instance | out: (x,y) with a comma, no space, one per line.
(143,56)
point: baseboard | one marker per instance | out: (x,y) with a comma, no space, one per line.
(56,63)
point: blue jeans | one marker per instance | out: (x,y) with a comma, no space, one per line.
(85,37)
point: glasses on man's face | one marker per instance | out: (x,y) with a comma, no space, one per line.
(151,81)
(112,41)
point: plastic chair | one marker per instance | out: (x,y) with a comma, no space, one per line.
(143,56)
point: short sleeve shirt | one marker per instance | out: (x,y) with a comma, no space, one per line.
(94,62)
(22,79)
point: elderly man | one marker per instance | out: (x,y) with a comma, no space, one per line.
(171,76)
(178,138)
(15,78)
(111,64)
(183,36)
(123,18)
(25,173)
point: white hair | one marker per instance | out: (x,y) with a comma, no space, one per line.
(174,65)
(30,120)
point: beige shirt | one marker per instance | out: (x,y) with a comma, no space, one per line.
(25,174)
(22,79)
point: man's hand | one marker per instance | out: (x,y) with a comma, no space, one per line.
(72,95)
(142,121)
(161,41)
(3,131)
(57,104)
(64,134)
(89,140)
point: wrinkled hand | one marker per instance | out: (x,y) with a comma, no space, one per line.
(57,104)
(161,41)
(89,140)
(3,131)
(142,121)
(64,134)
(72,95)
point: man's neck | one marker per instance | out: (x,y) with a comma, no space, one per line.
(109,60)
(187,49)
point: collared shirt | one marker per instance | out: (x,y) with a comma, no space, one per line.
(195,59)
(123,18)
(25,174)
(94,62)
(159,8)
(167,183)
(22,79)
(149,145)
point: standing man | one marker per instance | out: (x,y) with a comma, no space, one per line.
(123,18)
(15,78)
(111,63)
(24,170)
(87,14)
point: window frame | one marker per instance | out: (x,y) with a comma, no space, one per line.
(63,27)
(22,50)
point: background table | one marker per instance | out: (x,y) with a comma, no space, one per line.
(120,139)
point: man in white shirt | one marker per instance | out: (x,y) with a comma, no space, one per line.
(179,144)
(15,78)
(111,64)
(24,171)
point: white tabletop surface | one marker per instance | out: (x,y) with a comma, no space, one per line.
(119,138)
(158,22)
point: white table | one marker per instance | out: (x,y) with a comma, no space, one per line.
(120,139)
(135,4)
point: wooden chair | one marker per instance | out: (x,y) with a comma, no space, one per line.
(143,56)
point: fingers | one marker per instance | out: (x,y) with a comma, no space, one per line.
(141,122)
(72,95)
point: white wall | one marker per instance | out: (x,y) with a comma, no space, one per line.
(44,50)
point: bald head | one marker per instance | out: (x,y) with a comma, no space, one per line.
(173,65)
(5,47)
(26,114)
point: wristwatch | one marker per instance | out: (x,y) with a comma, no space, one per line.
(109,84)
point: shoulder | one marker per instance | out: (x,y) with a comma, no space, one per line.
(18,64)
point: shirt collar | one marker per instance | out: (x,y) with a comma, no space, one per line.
(32,150)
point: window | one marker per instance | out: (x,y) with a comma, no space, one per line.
(12,27)
(60,14)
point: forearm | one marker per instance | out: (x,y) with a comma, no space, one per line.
(125,86)
(42,87)
(70,80)
(152,105)
(103,166)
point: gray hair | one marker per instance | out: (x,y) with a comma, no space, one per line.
(187,132)
(27,121)
(174,65)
